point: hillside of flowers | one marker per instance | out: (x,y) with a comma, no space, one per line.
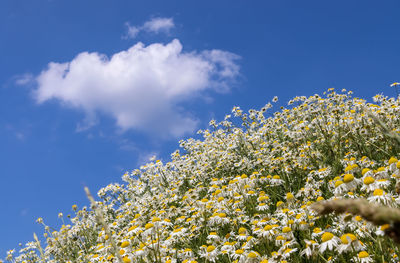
(244,192)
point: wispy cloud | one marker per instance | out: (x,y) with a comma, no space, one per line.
(24,79)
(142,88)
(155,25)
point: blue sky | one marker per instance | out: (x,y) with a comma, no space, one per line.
(91,89)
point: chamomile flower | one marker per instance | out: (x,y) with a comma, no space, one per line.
(210,253)
(368,183)
(329,242)
(350,181)
(380,196)
(362,257)
(340,188)
(349,242)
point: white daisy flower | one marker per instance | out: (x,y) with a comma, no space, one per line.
(362,257)
(329,242)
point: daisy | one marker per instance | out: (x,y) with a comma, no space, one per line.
(210,253)
(269,231)
(362,257)
(380,196)
(350,243)
(276,180)
(340,188)
(369,184)
(350,181)
(287,232)
(262,207)
(253,256)
(329,241)
(239,255)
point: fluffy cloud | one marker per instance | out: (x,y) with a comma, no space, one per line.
(141,88)
(155,25)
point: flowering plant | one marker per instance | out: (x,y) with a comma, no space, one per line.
(249,191)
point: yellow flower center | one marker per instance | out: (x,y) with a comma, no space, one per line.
(326,236)
(222,215)
(148,225)
(125,244)
(242,230)
(239,251)
(392,160)
(289,196)
(363,254)
(346,237)
(317,230)
(252,255)
(368,180)
(267,227)
(364,171)
(337,183)
(286,229)
(348,178)
(380,169)
(384,227)
(378,192)
(210,248)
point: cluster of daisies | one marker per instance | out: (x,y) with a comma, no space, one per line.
(242,193)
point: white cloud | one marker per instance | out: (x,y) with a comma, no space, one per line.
(155,25)
(142,88)
(24,79)
(159,24)
(133,31)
